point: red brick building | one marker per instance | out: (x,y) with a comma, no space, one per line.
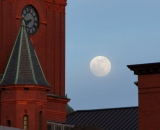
(32,63)
(32,74)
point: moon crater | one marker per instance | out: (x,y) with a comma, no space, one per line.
(100,66)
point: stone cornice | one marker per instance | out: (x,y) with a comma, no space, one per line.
(21,87)
(59,5)
(59,113)
(154,89)
(143,69)
(61,100)
(24,102)
(62,2)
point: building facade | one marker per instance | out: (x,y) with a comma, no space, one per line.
(32,63)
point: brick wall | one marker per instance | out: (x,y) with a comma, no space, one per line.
(17,102)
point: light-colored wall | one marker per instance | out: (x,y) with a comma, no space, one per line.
(8,128)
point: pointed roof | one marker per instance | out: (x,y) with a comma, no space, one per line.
(23,66)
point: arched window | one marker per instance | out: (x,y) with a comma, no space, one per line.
(40,120)
(9,123)
(25,122)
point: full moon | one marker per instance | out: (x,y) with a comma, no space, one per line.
(100,66)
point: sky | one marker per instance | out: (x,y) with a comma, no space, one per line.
(126,32)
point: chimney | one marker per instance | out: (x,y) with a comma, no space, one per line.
(148,95)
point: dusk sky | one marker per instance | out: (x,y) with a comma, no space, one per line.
(126,32)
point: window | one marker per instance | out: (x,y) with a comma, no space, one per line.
(25,122)
(58,126)
(9,123)
(40,121)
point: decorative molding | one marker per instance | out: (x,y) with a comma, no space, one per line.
(41,103)
(13,1)
(18,17)
(57,100)
(59,5)
(48,4)
(60,2)
(43,22)
(49,112)
(59,8)
(49,1)
(143,69)
(21,87)
(63,9)
(149,90)
(23,102)
(8,102)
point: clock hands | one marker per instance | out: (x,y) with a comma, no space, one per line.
(31,19)
(28,21)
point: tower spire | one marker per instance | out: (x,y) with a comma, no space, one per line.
(23,66)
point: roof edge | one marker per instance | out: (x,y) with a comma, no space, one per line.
(103,109)
(147,68)
(145,65)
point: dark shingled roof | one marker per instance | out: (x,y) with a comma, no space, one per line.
(86,128)
(23,66)
(107,119)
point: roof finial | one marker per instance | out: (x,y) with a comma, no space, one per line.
(23,22)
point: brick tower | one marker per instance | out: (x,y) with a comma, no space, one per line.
(148,94)
(41,93)
(23,87)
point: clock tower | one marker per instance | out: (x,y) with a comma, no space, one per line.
(45,26)
(45,20)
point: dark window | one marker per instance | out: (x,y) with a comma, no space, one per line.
(9,123)
(25,122)
(40,121)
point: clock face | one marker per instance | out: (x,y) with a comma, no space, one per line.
(31,18)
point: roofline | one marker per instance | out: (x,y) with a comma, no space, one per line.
(103,109)
(143,69)
(9,58)
(145,65)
